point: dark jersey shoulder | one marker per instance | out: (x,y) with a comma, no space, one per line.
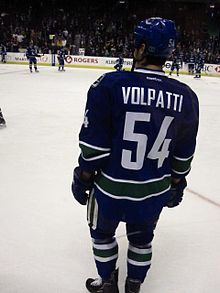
(134,78)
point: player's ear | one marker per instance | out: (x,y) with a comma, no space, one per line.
(142,49)
(139,52)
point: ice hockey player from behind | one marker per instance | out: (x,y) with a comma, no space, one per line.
(199,64)
(176,64)
(137,142)
(119,63)
(3,53)
(61,54)
(31,54)
(2,120)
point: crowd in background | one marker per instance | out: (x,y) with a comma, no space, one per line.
(105,28)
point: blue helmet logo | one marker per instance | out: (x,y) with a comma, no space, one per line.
(158,34)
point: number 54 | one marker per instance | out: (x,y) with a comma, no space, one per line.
(159,149)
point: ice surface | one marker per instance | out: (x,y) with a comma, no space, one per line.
(44,243)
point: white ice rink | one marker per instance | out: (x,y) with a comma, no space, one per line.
(44,243)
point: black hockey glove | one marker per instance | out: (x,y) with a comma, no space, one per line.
(176,191)
(80,186)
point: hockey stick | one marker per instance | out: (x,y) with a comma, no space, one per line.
(129,234)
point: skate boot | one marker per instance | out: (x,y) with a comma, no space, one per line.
(99,286)
(2,120)
(132,286)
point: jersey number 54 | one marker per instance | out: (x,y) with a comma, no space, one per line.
(159,150)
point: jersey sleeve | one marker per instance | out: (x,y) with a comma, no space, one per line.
(186,138)
(95,133)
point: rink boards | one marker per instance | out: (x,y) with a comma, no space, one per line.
(100,63)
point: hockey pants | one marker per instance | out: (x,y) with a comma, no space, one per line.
(105,246)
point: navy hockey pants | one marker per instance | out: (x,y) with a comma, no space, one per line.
(105,246)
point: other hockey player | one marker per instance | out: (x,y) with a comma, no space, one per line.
(31,54)
(3,53)
(176,64)
(119,63)
(137,143)
(2,120)
(61,54)
(199,63)
(191,63)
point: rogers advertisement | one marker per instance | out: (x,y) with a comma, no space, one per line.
(103,62)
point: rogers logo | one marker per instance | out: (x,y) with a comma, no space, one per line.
(217,69)
(44,58)
(69,59)
(85,60)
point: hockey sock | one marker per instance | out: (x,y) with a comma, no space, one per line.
(138,261)
(106,255)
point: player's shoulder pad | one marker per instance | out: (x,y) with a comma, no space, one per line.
(109,78)
(181,85)
(98,81)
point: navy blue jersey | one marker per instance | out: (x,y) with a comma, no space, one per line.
(120,61)
(177,62)
(139,130)
(31,53)
(3,50)
(191,59)
(61,54)
(199,60)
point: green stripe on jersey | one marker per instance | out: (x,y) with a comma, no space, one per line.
(89,152)
(136,190)
(181,165)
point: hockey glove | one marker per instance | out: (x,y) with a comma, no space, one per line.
(80,186)
(176,191)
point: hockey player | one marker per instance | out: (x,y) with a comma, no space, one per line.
(3,53)
(2,120)
(199,63)
(176,64)
(191,63)
(31,54)
(61,54)
(137,143)
(119,63)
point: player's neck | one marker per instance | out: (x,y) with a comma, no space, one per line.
(153,67)
(149,66)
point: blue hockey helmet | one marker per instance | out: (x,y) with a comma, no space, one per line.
(158,34)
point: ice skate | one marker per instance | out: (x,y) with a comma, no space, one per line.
(2,122)
(132,286)
(100,286)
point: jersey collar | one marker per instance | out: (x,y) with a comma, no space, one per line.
(143,70)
